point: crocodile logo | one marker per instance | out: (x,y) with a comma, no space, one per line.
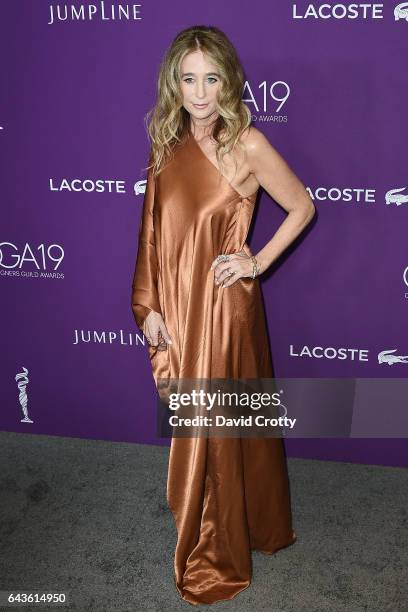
(386,357)
(401,11)
(394,196)
(140,187)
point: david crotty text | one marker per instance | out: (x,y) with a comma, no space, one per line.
(221,421)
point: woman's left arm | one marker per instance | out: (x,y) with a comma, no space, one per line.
(276,177)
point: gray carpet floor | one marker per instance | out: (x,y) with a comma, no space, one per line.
(90,518)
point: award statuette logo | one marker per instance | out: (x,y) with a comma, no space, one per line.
(22,380)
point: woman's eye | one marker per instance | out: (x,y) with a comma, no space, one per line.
(210,79)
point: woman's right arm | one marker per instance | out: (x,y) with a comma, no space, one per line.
(145,299)
(144,286)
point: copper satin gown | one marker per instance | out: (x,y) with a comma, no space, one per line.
(227,495)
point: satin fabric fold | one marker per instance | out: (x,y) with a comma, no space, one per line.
(228,496)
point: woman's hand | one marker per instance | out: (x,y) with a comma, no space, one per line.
(156,331)
(228,272)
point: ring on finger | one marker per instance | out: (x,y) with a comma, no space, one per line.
(228,275)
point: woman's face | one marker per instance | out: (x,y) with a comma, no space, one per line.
(200,81)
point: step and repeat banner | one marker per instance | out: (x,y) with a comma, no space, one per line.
(327,84)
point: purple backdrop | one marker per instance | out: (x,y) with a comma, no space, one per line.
(329,90)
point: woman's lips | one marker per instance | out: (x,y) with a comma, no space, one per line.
(200,105)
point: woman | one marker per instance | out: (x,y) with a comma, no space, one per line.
(196,296)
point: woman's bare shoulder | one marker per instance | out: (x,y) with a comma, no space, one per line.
(257,147)
(253,139)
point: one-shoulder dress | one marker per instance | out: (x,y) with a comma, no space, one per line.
(228,496)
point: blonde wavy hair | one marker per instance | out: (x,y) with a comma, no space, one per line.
(168,120)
